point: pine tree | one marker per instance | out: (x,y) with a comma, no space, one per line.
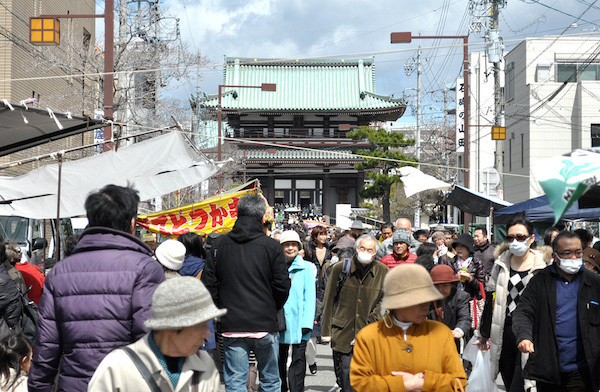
(380,162)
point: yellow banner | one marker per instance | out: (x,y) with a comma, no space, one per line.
(217,213)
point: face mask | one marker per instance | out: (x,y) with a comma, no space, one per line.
(334,259)
(518,248)
(570,266)
(364,257)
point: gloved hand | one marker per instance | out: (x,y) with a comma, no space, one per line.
(306,330)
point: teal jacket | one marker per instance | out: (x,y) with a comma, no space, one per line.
(301,303)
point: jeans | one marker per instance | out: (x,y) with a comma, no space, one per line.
(297,370)
(235,367)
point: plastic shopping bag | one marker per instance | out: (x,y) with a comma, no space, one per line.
(470,351)
(481,376)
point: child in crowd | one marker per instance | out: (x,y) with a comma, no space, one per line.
(15,360)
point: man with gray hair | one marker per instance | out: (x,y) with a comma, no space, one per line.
(246,273)
(352,297)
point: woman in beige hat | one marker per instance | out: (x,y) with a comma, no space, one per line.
(405,351)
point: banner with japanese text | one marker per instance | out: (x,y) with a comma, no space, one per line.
(216,214)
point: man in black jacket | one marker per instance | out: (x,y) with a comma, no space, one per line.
(484,251)
(246,273)
(557,322)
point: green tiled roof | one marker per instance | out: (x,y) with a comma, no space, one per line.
(313,85)
(294,155)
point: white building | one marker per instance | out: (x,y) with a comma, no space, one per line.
(552,94)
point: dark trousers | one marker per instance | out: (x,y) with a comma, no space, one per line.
(341,366)
(294,377)
(510,360)
(575,381)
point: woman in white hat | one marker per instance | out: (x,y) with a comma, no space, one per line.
(170,354)
(405,351)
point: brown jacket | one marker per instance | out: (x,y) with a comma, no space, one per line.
(356,305)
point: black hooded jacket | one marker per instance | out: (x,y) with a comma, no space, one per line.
(246,273)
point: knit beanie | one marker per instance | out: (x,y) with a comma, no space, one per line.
(401,235)
(181,302)
(171,254)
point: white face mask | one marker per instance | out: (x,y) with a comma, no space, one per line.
(570,266)
(334,259)
(518,248)
(364,258)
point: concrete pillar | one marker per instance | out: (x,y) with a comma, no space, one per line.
(326,191)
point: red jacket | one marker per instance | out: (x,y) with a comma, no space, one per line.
(33,277)
(393,260)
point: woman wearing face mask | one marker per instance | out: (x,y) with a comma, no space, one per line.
(515,264)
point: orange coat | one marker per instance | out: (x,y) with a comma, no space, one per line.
(379,350)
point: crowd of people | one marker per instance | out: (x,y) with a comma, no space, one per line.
(124,313)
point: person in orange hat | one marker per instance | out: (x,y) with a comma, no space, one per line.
(453,308)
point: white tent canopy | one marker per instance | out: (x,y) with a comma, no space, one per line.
(154,167)
(416,181)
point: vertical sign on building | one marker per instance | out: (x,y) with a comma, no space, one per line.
(460,115)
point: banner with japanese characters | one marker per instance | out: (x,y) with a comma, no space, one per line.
(216,214)
(460,115)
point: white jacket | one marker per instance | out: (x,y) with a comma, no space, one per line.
(117,373)
(20,384)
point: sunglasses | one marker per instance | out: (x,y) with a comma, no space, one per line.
(518,237)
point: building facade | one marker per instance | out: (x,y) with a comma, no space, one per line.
(552,87)
(19,59)
(294,139)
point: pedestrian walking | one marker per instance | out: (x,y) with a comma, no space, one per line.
(299,312)
(246,273)
(15,361)
(405,351)
(401,250)
(11,306)
(516,263)
(171,254)
(352,300)
(170,353)
(557,322)
(98,298)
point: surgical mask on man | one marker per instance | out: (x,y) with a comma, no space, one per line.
(364,257)
(518,248)
(570,266)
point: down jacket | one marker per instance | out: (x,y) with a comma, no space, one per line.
(498,283)
(93,302)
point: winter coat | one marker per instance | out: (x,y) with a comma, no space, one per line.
(381,350)
(192,266)
(387,247)
(498,283)
(310,254)
(475,268)
(357,304)
(117,373)
(485,254)
(34,278)
(300,305)
(535,320)
(15,275)
(11,306)
(247,274)
(94,301)
(456,311)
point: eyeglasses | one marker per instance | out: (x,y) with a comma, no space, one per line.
(568,254)
(518,237)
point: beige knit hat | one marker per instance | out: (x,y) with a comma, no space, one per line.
(407,285)
(171,254)
(181,302)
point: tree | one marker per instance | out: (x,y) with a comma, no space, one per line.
(381,161)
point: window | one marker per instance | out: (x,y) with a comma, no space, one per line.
(595,135)
(575,72)
(509,75)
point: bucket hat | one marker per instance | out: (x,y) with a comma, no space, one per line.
(171,254)
(592,256)
(401,235)
(291,235)
(357,225)
(181,302)
(466,240)
(344,242)
(443,274)
(408,285)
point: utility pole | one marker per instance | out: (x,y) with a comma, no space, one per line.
(408,70)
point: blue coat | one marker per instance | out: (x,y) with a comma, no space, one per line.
(301,303)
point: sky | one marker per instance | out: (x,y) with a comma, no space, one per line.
(360,28)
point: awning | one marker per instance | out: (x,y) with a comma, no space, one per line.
(23,127)
(475,203)
(153,167)
(416,181)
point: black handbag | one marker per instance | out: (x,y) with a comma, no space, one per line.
(29,315)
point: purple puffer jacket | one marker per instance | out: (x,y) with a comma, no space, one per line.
(93,302)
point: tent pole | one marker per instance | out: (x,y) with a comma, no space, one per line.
(57,253)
